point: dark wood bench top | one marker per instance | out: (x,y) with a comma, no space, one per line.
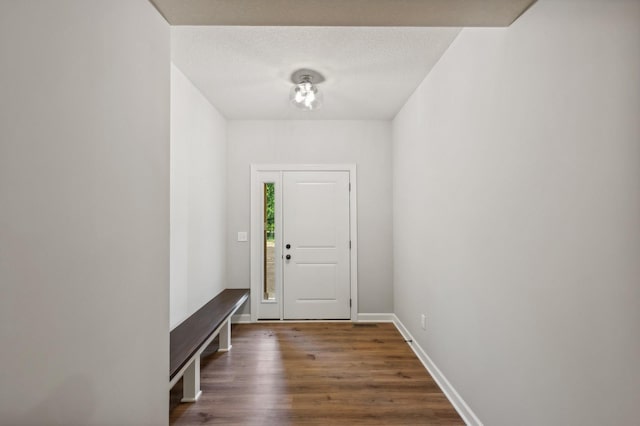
(186,338)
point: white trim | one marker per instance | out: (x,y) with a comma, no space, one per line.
(454,397)
(376,317)
(192,399)
(246,319)
(303,167)
(256,226)
(241,319)
(301,321)
(353,230)
(268,308)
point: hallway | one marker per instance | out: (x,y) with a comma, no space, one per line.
(496,214)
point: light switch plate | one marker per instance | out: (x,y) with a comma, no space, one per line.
(242,236)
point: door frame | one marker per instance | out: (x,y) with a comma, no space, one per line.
(257,229)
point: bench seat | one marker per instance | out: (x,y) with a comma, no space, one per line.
(189,339)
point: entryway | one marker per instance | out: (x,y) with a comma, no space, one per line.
(303,242)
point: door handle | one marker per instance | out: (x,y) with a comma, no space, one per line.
(288,257)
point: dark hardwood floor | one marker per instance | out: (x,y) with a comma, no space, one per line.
(315,374)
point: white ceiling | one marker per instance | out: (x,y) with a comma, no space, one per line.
(370,71)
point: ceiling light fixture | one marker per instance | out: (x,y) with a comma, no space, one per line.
(305,94)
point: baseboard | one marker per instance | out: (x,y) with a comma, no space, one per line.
(246,318)
(454,397)
(376,317)
(241,319)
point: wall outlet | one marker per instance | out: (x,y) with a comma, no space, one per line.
(423,321)
(242,236)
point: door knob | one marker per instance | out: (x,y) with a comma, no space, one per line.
(288,246)
(288,257)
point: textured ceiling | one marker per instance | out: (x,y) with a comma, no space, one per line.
(433,13)
(370,72)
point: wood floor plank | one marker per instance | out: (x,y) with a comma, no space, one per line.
(315,374)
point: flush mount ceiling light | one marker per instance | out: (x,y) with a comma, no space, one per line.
(305,94)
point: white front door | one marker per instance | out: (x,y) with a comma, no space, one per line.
(315,238)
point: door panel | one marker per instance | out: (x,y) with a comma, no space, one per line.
(316,225)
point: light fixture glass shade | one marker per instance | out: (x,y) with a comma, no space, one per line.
(305,95)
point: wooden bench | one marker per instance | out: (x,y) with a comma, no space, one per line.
(193,335)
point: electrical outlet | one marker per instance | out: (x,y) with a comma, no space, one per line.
(423,321)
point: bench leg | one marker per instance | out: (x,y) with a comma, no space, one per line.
(191,382)
(225,336)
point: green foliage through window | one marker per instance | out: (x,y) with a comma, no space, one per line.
(270,208)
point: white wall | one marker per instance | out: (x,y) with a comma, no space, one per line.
(198,190)
(366,143)
(84,213)
(517,215)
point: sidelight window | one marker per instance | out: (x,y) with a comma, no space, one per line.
(269,242)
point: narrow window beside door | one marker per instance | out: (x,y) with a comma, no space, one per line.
(269,242)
